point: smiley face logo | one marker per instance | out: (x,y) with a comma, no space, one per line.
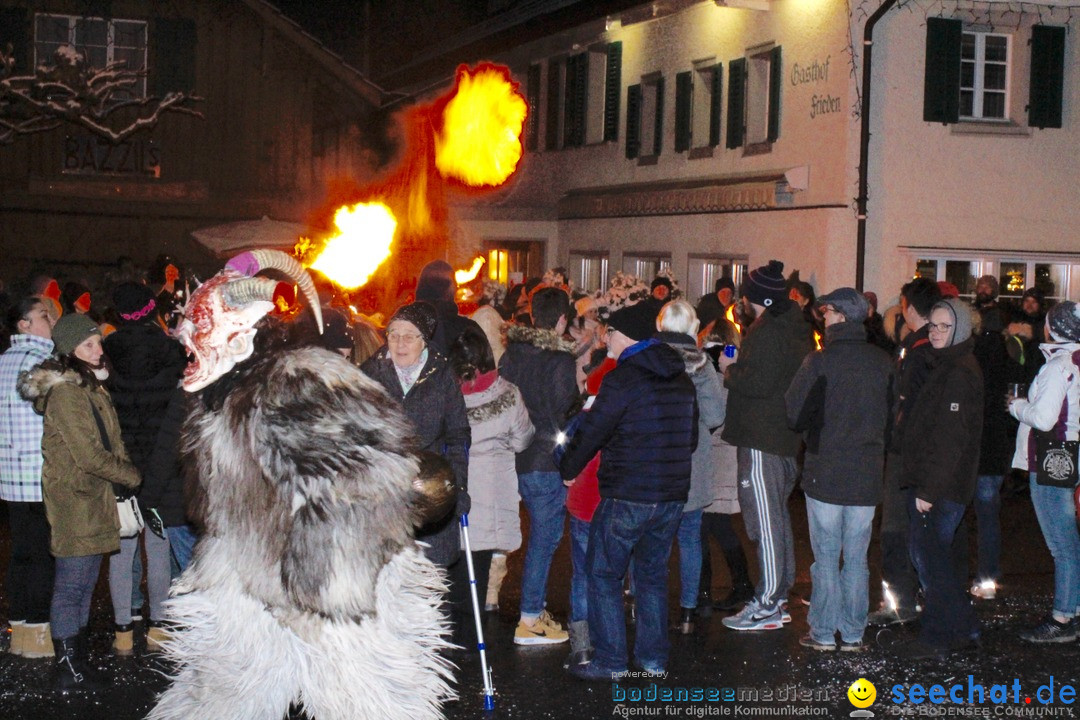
(862,693)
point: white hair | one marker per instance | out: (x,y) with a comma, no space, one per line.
(678,316)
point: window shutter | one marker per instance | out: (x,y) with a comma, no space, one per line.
(551,133)
(532,92)
(577,89)
(15,29)
(776,80)
(658,135)
(633,121)
(172,44)
(941,86)
(714,109)
(1047,76)
(612,91)
(684,89)
(736,102)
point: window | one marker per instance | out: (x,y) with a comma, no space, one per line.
(697,108)
(582,96)
(645,118)
(984,76)
(1015,275)
(589,270)
(646,266)
(754,84)
(705,270)
(100,41)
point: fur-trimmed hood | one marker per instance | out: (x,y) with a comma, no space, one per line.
(35,385)
(537,337)
(693,357)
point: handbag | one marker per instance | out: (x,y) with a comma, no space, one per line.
(127,508)
(1056,461)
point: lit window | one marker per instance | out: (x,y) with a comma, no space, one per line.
(100,41)
(705,270)
(984,76)
(589,270)
(646,267)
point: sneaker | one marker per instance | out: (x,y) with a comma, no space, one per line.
(985,590)
(1051,631)
(857,646)
(808,641)
(650,671)
(755,617)
(887,616)
(591,672)
(544,631)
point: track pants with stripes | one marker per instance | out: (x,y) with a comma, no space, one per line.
(765,485)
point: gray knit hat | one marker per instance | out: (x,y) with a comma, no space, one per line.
(1064,319)
(71,330)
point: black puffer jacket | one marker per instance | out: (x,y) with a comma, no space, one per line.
(770,355)
(541,364)
(998,428)
(147,365)
(163,482)
(943,431)
(645,421)
(436,408)
(841,400)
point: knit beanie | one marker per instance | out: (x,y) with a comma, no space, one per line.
(419,314)
(71,330)
(766,285)
(1064,321)
(961,314)
(637,322)
(134,302)
(991,282)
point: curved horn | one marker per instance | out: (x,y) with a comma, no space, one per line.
(241,292)
(255,261)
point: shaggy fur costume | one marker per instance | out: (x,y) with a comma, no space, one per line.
(307,586)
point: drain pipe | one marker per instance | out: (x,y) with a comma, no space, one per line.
(864,141)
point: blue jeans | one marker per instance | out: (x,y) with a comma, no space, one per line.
(1056,511)
(689,536)
(841,597)
(619,529)
(182,543)
(987,514)
(73,586)
(948,619)
(544,496)
(579,580)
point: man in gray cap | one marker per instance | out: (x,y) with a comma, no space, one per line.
(841,400)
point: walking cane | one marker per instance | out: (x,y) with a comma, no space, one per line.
(489,691)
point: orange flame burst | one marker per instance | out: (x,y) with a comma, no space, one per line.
(467,276)
(730,315)
(480,140)
(817,340)
(365,231)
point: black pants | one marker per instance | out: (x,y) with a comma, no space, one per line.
(720,527)
(30,572)
(459,599)
(896,568)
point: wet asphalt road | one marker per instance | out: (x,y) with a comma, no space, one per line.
(766,674)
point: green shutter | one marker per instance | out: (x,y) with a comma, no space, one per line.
(736,102)
(172,45)
(658,135)
(684,90)
(551,133)
(716,104)
(612,91)
(15,29)
(1047,76)
(776,80)
(633,121)
(578,94)
(941,86)
(532,92)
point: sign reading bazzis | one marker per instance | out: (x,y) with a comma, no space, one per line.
(812,74)
(92,155)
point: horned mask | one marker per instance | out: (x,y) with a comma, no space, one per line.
(219,319)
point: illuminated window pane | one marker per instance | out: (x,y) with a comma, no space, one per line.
(1012,279)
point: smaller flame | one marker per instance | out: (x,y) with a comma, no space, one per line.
(817,340)
(366,231)
(730,315)
(467,276)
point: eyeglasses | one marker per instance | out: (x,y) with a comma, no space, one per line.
(939,327)
(404,338)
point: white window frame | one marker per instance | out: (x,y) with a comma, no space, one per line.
(635,263)
(989,263)
(579,265)
(650,96)
(139,90)
(701,102)
(701,275)
(758,72)
(978,88)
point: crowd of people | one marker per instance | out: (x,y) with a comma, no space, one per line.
(653,424)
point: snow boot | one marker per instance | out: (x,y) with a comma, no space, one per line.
(36,641)
(124,642)
(71,675)
(496,575)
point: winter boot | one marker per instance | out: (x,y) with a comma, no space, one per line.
(124,643)
(496,575)
(155,636)
(36,641)
(685,625)
(71,668)
(741,587)
(580,647)
(18,632)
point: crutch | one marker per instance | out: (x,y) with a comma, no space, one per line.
(489,691)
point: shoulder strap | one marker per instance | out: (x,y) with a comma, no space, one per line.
(101,427)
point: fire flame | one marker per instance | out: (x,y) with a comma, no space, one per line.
(480,141)
(817,340)
(467,276)
(730,315)
(361,245)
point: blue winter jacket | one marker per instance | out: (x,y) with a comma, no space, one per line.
(645,421)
